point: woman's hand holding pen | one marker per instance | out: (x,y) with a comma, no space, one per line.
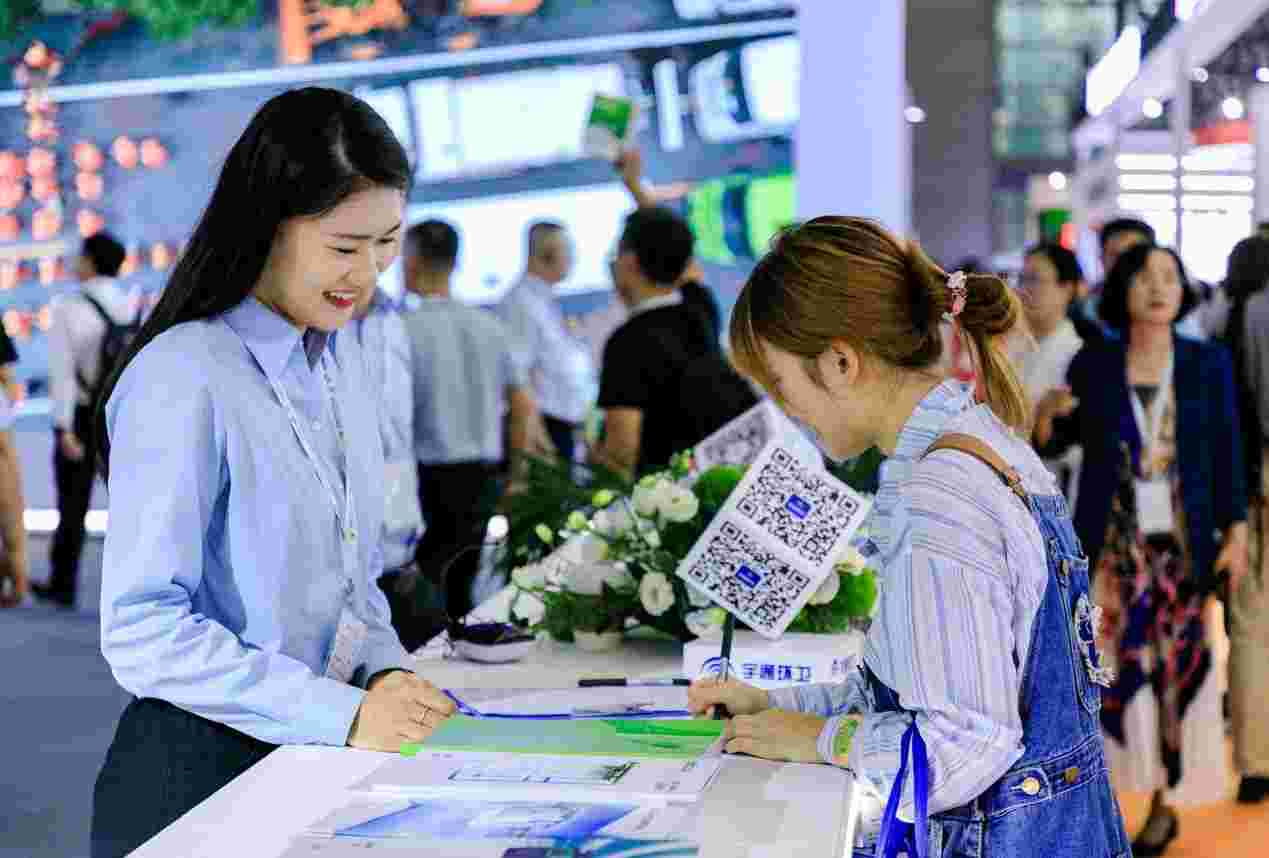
(398,707)
(737,697)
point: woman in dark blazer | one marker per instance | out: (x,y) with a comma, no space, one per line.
(1162,505)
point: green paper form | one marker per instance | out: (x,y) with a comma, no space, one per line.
(666,740)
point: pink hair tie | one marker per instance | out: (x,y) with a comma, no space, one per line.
(956,284)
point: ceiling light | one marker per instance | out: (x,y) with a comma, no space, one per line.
(914,114)
(1152,108)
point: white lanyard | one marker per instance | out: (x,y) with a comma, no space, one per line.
(344,516)
(1151,430)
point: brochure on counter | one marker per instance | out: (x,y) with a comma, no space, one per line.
(678,739)
(530,777)
(460,827)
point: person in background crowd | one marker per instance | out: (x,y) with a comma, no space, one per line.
(559,365)
(385,345)
(975,650)
(1051,279)
(1162,510)
(691,284)
(13,560)
(466,376)
(1247,335)
(83,327)
(1117,236)
(241,449)
(646,357)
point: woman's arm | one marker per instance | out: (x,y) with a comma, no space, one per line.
(166,466)
(825,698)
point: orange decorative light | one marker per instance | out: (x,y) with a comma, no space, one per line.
(89,222)
(41,162)
(89,186)
(10,227)
(41,130)
(124,152)
(88,156)
(153,153)
(12,323)
(46,223)
(12,167)
(37,55)
(11,194)
(8,276)
(160,256)
(44,188)
(44,318)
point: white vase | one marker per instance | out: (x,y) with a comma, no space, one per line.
(597,641)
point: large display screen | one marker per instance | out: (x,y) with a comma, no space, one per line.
(488,97)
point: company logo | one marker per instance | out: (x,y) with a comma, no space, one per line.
(713,666)
(797,507)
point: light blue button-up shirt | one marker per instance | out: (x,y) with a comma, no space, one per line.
(964,570)
(223,576)
(463,367)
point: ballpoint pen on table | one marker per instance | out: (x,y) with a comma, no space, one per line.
(618,682)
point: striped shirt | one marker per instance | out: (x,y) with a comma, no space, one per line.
(963,573)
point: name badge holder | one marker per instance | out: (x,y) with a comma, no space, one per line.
(350,635)
(1154,493)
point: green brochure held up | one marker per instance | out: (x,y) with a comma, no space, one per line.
(666,740)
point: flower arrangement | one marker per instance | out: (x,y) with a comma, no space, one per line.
(612,561)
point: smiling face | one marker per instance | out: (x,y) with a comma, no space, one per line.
(1155,294)
(321,269)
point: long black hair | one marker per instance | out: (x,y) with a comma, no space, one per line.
(303,153)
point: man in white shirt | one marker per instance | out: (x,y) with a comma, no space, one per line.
(560,367)
(1051,279)
(81,325)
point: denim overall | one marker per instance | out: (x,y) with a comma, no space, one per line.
(1056,801)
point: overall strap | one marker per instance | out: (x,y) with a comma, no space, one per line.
(971,446)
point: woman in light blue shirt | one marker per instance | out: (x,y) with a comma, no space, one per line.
(240,445)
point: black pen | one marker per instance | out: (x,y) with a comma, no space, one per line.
(633,683)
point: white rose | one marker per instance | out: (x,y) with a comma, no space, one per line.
(584,549)
(613,522)
(680,505)
(656,593)
(828,589)
(707,623)
(589,579)
(528,608)
(696,598)
(646,497)
(529,577)
(653,537)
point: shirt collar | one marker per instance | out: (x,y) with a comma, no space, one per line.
(656,303)
(932,413)
(272,340)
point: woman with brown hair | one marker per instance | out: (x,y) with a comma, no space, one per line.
(980,666)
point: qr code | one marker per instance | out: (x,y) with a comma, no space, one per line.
(737,443)
(805,510)
(751,581)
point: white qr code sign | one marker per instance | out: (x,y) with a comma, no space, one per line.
(773,542)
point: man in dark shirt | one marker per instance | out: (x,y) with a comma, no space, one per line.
(645,359)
